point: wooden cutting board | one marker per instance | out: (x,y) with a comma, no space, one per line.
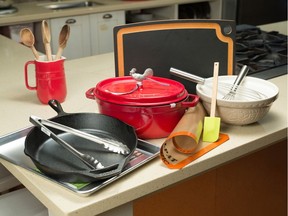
(189,45)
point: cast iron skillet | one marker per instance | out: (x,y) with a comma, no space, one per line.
(58,163)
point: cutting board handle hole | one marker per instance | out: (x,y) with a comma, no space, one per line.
(227,29)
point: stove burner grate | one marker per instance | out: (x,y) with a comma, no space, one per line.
(258,49)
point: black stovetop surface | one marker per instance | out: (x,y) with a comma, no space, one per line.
(265,53)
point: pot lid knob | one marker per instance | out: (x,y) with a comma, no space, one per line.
(139,78)
(148,73)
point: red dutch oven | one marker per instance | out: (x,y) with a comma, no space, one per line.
(153,106)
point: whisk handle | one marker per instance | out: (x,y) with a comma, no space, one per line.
(242,74)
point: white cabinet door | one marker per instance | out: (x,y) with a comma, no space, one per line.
(102,25)
(90,34)
(79,41)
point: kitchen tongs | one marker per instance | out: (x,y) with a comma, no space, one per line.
(85,158)
(110,145)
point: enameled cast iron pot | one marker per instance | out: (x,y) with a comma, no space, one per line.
(153,106)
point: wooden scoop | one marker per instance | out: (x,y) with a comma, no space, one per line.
(63,38)
(211,127)
(46,36)
(27,38)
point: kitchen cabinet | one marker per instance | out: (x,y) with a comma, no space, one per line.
(79,41)
(255,184)
(90,34)
(168,12)
(101,30)
(159,13)
(173,11)
(21,202)
(7,181)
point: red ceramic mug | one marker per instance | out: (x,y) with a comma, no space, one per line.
(50,79)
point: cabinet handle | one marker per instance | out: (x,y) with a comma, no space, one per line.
(70,21)
(107,16)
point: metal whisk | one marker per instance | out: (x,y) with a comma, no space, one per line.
(231,94)
(243,91)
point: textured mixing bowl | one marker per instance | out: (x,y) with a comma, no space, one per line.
(243,109)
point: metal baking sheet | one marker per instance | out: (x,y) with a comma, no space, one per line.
(12,150)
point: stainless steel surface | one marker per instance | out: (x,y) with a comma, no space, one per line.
(243,92)
(7,11)
(111,145)
(231,94)
(12,150)
(187,76)
(69,4)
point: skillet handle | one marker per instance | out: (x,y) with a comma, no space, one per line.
(194,99)
(107,173)
(55,104)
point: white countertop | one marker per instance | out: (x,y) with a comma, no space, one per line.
(32,12)
(18,103)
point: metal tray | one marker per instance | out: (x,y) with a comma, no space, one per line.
(12,150)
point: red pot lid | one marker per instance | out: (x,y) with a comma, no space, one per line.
(149,92)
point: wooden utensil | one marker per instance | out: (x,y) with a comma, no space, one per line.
(46,36)
(63,38)
(27,38)
(211,127)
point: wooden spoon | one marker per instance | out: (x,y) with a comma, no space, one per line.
(46,36)
(27,38)
(63,38)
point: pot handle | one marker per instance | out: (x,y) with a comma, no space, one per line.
(191,101)
(55,104)
(90,93)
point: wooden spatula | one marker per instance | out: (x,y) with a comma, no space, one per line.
(211,127)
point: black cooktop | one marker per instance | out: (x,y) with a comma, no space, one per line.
(265,53)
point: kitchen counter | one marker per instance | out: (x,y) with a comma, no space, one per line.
(18,103)
(32,12)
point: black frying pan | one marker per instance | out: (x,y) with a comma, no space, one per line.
(57,162)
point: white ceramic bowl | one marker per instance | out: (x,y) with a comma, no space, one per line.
(247,107)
